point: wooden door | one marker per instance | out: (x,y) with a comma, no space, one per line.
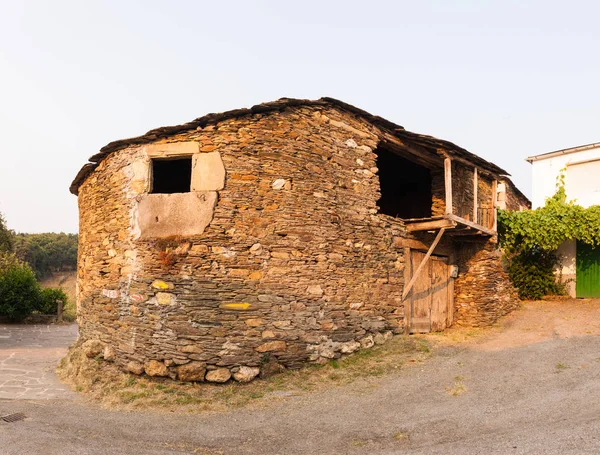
(420,318)
(439,293)
(430,301)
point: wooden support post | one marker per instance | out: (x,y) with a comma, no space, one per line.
(422,264)
(448,184)
(475,188)
(59,310)
(494,202)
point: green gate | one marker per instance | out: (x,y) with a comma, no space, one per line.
(588,271)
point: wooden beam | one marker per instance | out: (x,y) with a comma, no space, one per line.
(414,244)
(475,188)
(407,303)
(478,227)
(430,225)
(469,164)
(448,184)
(467,232)
(422,264)
(416,154)
(494,203)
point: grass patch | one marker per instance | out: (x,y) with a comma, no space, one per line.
(560,367)
(105,384)
(401,436)
(458,388)
(358,442)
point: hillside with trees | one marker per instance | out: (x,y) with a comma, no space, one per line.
(46,253)
(24,260)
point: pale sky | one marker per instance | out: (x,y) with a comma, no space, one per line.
(503,79)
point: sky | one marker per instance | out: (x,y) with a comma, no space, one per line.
(503,79)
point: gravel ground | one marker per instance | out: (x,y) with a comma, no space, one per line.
(538,394)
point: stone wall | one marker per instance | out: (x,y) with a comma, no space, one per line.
(295,271)
(515,200)
(438,192)
(483,291)
(294,263)
(462,191)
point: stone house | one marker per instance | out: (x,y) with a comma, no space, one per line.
(294,231)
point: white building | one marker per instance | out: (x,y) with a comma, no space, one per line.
(581,167)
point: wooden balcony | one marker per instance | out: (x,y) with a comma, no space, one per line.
(453,224)
(474,220)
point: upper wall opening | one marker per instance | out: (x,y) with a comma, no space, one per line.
(171,175)
(405,186)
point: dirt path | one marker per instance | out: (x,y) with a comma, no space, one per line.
(541,321)
(530,387)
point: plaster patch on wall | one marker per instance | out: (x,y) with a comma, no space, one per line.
(166,215)
(208,172)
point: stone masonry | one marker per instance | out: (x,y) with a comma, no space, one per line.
(292,264)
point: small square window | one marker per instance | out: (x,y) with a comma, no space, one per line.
(171,175)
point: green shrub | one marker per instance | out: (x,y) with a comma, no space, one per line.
(532,273)
(48,300)
(19,289)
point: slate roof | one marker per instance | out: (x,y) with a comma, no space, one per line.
(428,142)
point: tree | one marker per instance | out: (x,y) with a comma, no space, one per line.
(6,236)
(19,290)
(47,252)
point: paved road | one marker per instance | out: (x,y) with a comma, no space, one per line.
(28,356)
(541,398)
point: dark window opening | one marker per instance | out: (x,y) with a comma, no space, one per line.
(172,176)
(405,186)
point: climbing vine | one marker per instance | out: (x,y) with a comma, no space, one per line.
(530,240)
(549,226)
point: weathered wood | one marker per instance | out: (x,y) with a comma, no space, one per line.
(430,225)
(448,184)
(475,188)
(407,302)
(439,293)
(420,298)
(417,154)
(416,274)
(494,203)
(478,227)
(401,242)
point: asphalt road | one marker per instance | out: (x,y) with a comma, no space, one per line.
(540,398)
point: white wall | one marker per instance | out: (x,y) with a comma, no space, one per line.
(567,252)
(584,184)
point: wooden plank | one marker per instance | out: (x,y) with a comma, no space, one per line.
(475,189)
(415,154)
(401,242)
(468,232)
(494,209)
(478,227)
(439,294)
(421,295)
(431,225)
(408,302)
(422,264)
(448,184)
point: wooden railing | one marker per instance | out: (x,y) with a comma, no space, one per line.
(485,217)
